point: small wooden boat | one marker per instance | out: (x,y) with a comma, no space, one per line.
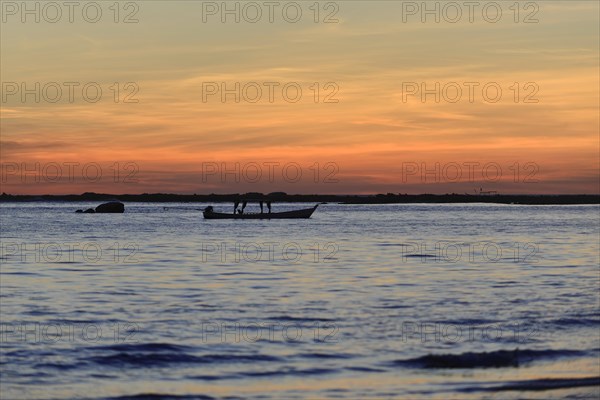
(294,214)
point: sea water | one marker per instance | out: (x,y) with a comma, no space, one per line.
(360,301)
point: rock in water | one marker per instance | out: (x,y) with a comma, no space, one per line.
(89,211)
(111,207)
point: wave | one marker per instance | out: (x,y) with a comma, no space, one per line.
(315,355)
(159,396)
(539,384)
(143,347)
(160,354)
(289,318)
(492,359)
(288,372)
(281,372)
(581,321)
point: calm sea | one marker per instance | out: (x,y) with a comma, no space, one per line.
(360,301)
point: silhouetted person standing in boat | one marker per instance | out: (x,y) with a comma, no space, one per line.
(268,206)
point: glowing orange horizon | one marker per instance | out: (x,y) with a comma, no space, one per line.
(378,111)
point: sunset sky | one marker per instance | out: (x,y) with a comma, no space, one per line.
(376,138)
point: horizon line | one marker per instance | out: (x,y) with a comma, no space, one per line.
(282,194)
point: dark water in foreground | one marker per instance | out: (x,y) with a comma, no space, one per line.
(379,301)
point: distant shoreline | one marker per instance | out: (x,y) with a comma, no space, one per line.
(390,198)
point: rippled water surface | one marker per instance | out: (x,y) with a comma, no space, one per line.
(377,301)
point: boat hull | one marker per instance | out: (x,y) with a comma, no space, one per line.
(294,214)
